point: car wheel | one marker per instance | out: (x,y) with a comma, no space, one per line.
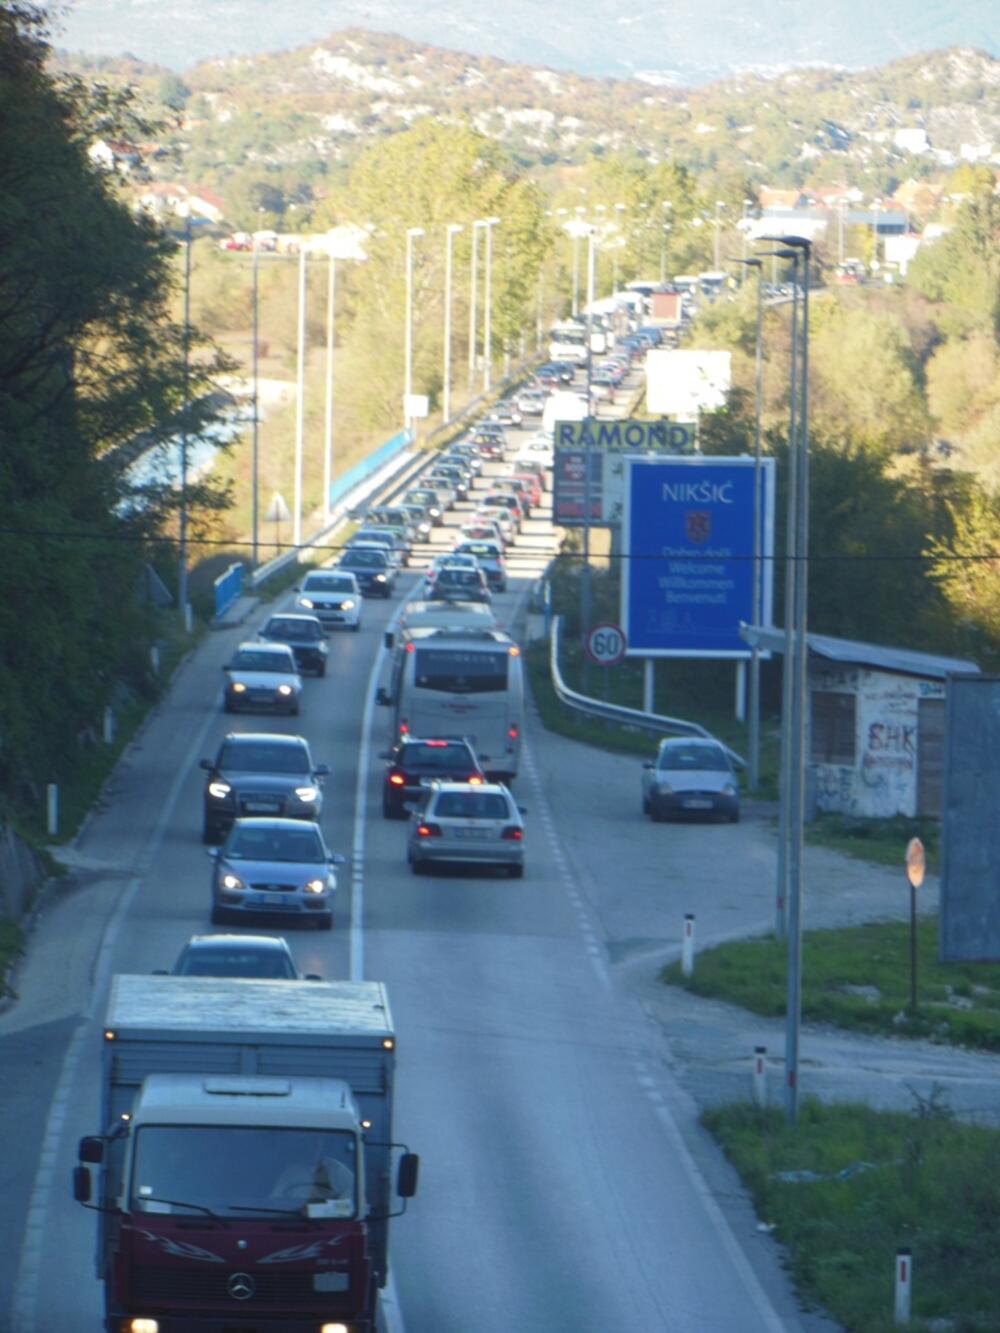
(516,871)
(734,817)
(324,922)
(219,916)
(322,671)
(210,834)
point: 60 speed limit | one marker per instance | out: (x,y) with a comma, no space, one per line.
(605,645)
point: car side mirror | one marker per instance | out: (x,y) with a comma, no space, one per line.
(338,859)
(382,697)
(321,771)
(207,765)
(389,639)
(407,1175)
(212,853)
(81,1184)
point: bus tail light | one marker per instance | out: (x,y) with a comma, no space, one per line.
(428,830)
(512,833)
(397,779)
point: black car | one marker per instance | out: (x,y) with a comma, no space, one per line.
(304,635)
(373,568)
(260,773)
(464,585)
(412,761)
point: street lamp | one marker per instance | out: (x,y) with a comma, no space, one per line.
(255,451)
(757,600)
(580,210)
(663,254)
(488,224)
(331,297)
(300,399)
(619,210)
(182,575)
(412,234)
(451,231)
(719,206)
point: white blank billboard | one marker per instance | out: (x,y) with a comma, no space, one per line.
(684,383)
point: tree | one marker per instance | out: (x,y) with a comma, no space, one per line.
(962,268)
(173,92)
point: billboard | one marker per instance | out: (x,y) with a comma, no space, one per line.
(970,831)
(684,383)
(687,565)
(606,443)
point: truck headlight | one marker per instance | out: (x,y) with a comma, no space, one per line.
(307,794)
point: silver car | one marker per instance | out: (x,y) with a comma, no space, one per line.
(333,597)
(462,823)
(690,776)
(262,677)
(274,867)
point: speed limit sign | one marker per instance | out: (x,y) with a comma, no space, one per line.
(605,645)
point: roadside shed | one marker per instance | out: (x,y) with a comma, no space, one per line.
(876,725)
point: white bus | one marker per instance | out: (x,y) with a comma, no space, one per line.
(459,682)
(568,342)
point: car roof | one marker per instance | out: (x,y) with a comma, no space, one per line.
(276,823)
(222,941)
(298,616)
(255,738)
(484,787)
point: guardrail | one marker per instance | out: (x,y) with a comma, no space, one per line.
(632,717)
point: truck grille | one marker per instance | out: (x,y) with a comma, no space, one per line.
(161,1287)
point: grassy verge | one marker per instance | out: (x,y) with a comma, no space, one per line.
(880,840)
(859,978)
(847,1186)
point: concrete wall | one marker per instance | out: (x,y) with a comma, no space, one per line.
(21,874)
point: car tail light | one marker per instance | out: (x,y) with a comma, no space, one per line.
(512,731)
(404,727)
(512,833)
(475,780)
(437,745)
(428,830)
(397,779)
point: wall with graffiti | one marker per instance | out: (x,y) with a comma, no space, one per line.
(882,781)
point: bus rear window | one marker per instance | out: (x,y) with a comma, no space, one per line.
(456,672)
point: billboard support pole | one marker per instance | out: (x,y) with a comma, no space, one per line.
(585,585)
(648,683)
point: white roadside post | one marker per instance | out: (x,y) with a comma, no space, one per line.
(904,1280)
(52,809)
(760,1076)
(687,945)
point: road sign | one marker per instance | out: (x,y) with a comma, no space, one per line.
(277,510)
(916,862)
(606,645)
(606,443)
(688,546)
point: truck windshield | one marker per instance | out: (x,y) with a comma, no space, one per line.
(230,1169)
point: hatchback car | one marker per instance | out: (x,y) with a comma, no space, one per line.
(690,775)
(450,475)
(507,414)
(489,554)
(333,596)
(304,635)
(262,677)
(467,455)
(425,496)
(277,866)
(490,444)
(445,490)
(450,558)
(463,583)
(373,568)
(420,521)
(531,402)
(259,773)
(412,762)
(461,823)
(264,957)
(503,500)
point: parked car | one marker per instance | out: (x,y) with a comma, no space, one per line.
(690,775)
(413,761)
(260,773)
(462,583)
(373,568)
(489,555)
(261,678)
(333,596)
(461,823)
(304,635)
(265,957)
(276,867)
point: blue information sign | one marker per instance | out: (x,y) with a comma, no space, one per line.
(688,567)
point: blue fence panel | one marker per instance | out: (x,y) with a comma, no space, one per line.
(368,465)
(228,587)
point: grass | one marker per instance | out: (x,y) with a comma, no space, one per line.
(858,978)
(881,840)
(847,1186)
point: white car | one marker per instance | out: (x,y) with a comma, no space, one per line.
(262,677)
(482,528)
(501,518)
(333,596)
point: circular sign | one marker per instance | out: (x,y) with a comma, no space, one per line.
(605,645)
(916,862)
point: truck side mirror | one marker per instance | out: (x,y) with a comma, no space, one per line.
(90,1149)
(382,697)
(81,1184)
(406,1176)
(389,639)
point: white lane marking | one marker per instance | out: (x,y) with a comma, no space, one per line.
(357,942)
(25,1299)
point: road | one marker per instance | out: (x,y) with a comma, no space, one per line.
(565,1182)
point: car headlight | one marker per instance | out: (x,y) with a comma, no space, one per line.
(232,883)
(729,790)
(379,578)
(220,790)
(307,602)
(347,606)
(284,689)
(663,785)
(307,794)
(315,886)
(237,687)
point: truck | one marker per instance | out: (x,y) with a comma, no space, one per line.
(245,1169)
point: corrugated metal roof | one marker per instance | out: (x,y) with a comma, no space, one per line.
(905,661)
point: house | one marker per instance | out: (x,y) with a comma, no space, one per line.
(206,204)
(876,725)
(114,155)
(161,199)
(770,197)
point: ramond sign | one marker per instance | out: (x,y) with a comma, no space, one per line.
(603,444)
(626,436)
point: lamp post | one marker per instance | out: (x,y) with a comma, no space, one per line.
(451,231)
(300,401)
(488,224)
(255,449)
(719,206)
(663,254)
(473,330)
(585,584)
(797,754)
(757,597)
(619,210)
(182,574)
(331,297)
(412,234)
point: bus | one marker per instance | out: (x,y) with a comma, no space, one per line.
(568,342)
(452,682)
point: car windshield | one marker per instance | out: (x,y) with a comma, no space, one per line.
(676,758)
(239,1170)
(471,805)
(252,659)
(274,844)
(328,583)
(263,757)
(279,628)
(481,550)
(231,961)
(459,577)
(380,538)
(440,758)
(364,559)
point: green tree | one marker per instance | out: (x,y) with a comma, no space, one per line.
(173,92)
(962,267)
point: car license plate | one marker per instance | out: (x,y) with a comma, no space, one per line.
(269,899)
(472,833)
(697,804)
(261,807)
